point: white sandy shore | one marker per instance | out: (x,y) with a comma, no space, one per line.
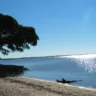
(21,86)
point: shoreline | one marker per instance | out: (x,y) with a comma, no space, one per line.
(45,88)
(16,69)
(81,87)
(48,56)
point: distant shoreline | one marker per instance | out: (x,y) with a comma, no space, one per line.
(43,56)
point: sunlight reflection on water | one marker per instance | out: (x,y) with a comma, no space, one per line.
(88,62)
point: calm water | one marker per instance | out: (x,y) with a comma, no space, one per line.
(81,67)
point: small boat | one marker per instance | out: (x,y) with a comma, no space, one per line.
(67,81)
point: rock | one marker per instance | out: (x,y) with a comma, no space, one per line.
(6,70)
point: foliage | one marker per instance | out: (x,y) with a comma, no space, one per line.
(15,37)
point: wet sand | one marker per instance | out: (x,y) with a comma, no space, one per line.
(22,86)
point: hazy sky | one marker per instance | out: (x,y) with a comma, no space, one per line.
(64,26)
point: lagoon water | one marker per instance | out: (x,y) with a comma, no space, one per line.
(75,67)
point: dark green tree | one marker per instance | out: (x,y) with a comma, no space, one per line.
(14,36)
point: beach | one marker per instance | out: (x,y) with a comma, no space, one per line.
(24,86)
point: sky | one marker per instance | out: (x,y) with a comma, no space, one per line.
(65,27)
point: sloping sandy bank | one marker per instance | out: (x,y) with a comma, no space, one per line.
(21,86)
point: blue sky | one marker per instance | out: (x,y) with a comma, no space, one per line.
(64,26)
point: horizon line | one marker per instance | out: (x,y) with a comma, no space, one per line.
(48,56)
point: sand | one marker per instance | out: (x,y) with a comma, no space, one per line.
(21,86)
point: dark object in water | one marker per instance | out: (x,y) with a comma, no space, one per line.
(67,81)
(7,70)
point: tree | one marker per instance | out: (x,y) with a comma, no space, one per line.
(14,36)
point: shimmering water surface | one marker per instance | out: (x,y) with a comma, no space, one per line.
(79,67)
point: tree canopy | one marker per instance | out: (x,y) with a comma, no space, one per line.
(14,36)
